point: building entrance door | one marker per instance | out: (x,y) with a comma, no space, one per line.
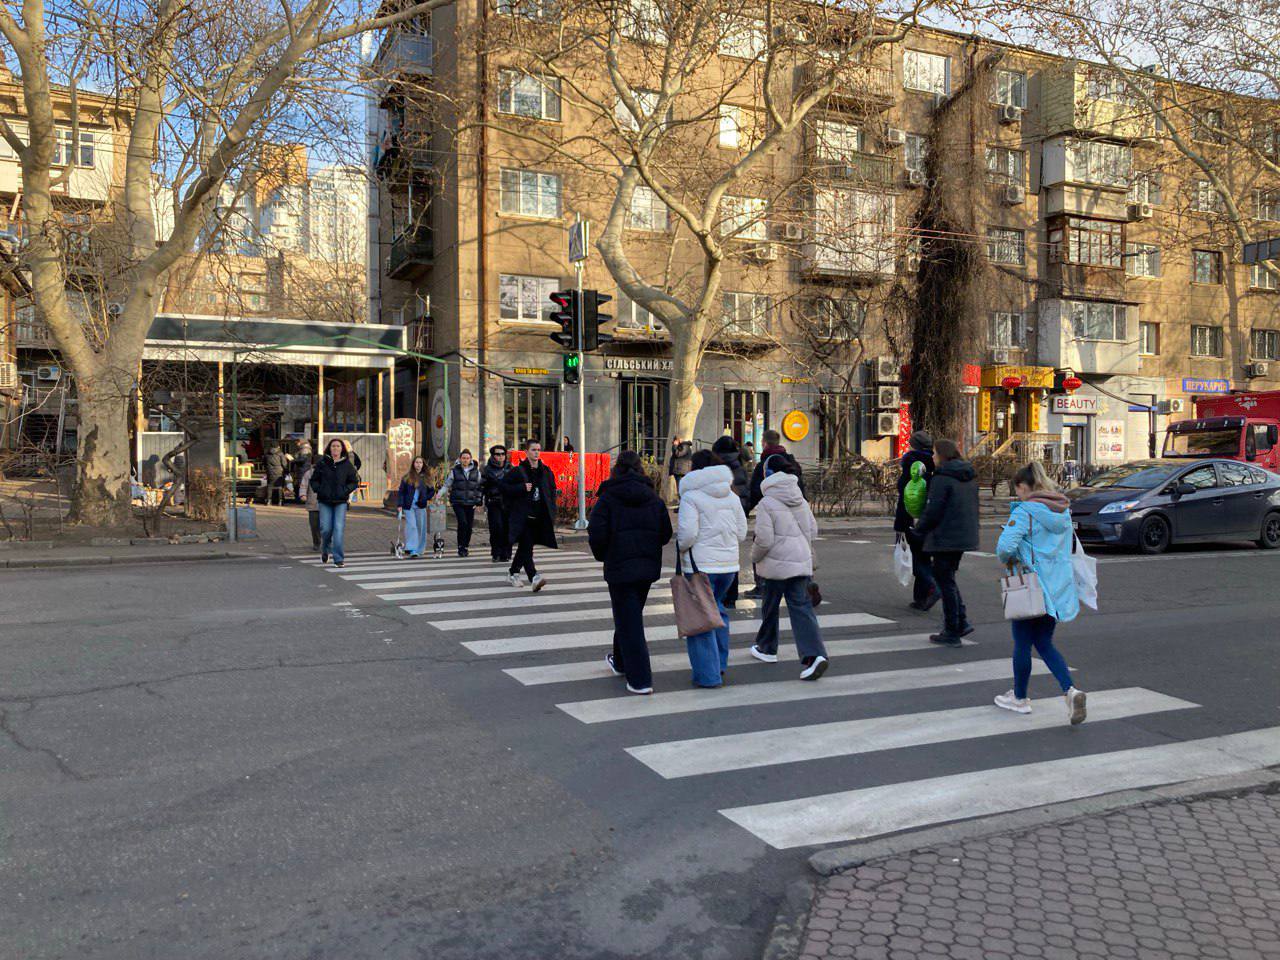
(644,417)
(743,409)
(531,413)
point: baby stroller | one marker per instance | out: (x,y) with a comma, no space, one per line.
(436,525)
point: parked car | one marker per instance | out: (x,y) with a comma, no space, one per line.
(1151,504)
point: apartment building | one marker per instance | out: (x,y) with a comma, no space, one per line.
(1103,255)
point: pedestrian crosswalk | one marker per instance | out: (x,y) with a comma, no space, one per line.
(539,640)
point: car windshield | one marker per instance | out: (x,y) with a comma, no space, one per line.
(1203,443)
(1136,476)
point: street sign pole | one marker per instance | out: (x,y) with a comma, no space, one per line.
(578,240)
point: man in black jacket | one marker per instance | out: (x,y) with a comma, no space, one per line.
(924,592)
(529,494)
(949,527)
(494,509)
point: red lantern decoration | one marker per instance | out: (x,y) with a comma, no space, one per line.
(1072,384)
(1011,383)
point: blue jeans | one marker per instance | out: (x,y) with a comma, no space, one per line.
(1036,633)
(415,531)
(709,652)
(333,524)
(804,622)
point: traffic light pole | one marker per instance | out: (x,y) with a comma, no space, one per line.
(581,523)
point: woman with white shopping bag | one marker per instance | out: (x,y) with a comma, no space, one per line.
(1037,542)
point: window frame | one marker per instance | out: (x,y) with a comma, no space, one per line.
(1006,80)
(1073,239)
(547,285)
(1270,337)
(1208,199)
(1205,131)
(733,30)
(996,173)
(64,143)
(1136,252)
(757,321)
(1080,326)
(737,211)
(543,11)
(1214,260)
(911,159)
(521,173)
(837,319)
(996,243)
(1090,162)
(1266,205)
(1216,341)
(1012,322)
(1148,327)
(655,205)
(729,120)
(908,73)
(1260,278)
(548,93)
(821,144)
(1146,186)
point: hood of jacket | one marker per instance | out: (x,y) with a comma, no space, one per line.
(784,487)
(1045,516)
(457,465)
(1055,500)
(961,470)
(492,466)
(714,481)
(631,489)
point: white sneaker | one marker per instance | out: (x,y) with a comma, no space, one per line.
(1007,701)
(762,656)
(514,580)
(643,691)
(815,668)
(1075,705)
(537,582)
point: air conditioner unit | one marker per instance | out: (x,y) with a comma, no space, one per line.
(887,398)
(886,424)
(895,137)
(887,370)
(1014,194)
(999,355)
(793,231)
(115,308)
(1256,369)
(1010,114)
(48,373)
(915,178)
(1166,407)
(8,376)
(764,252)
(1140,211)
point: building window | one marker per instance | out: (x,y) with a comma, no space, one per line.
(741,37)
(926,72)
(647,211)
(838,421)
(1092,320)
(1145,187)
(1006,246)
(1264,344)
(646,102)
(1099,243)
(834,318)
(1206,341)
(1110,86)
(531,413)
(730,126)
(1006,330)
(913,152)
(1106,164)
(528,96)
(64,148)
(1206,126)
(1142,260)
(743,218)
(1010,88)
(547,10)
(1006,166)
(631,316)
(1260,278)
(1206,266)
(853,230)
(741,408)
(837,142)
(746,314)
(1266,205)
(1266,139)
(531,193)
(525,299)
(1149,339)
(641,20)
(1208,199)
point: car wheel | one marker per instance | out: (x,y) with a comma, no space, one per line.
(1270,538)
(1154,535)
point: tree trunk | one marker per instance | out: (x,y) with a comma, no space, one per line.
(102,488)
(686,397)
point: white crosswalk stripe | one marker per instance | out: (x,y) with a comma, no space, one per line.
(872,811)
(394,567)
(573,587)
(498,579)
(543,616)
(410,573)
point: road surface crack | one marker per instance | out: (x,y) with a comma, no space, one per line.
(7,727)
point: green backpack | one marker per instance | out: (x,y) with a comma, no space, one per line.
(916,492)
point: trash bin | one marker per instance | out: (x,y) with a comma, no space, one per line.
(242,523)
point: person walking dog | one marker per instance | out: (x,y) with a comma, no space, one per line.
(494,510)
(710,527)
(414,495)
(1039,537)
(335,479)
(783,557)
(627,530)
(529,494)
(949,528)
(924,591)
(463,488)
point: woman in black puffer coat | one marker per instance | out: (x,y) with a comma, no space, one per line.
(627,531)
(464,487)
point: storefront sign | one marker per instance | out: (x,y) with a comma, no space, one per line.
(1109,439)
(530,371)
(1032,377)
(1198,385)
(1074,405)
(795,426)
(797,379)
(639,364)
(904,427)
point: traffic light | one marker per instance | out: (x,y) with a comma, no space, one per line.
(592,300)
(572,367)
(568,317)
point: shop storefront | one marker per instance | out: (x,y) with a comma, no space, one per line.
(1011,403)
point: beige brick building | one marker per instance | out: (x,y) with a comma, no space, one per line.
(1103,254)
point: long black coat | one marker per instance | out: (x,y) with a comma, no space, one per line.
(628,528)
(903,521)
(950,519)
(523,510)
(491,482)
(333,481)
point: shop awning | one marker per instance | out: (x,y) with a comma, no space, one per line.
(191,337)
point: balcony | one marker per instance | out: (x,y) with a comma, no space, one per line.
(403,53)
(1090,100)
(412,255)
(32,335)
(863,85)
(1060,348)
(863,168)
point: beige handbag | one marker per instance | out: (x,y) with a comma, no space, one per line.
(1020,592)
(695,605)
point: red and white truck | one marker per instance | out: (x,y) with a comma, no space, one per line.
(1237,426)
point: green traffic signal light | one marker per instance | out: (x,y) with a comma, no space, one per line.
(572,368)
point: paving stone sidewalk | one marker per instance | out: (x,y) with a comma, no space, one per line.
(1196,878)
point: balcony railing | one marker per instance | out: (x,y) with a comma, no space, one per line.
(864,167)
(411,255)
(860,83)
(404,52)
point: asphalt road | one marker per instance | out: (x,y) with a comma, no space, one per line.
(263,759)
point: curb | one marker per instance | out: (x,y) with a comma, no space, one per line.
(840,859)
(786,936)
(51,562)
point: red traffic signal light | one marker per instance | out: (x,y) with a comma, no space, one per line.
(567,316)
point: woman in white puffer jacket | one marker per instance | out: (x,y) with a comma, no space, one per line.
(710,527)
(783,555)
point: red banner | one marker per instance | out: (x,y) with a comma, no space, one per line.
(596,468)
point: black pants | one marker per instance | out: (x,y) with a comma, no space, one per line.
(524,553)
(945,565)
(313,517)
(466,520)
(275,494)
(499,538)
(922,567)
(630,652)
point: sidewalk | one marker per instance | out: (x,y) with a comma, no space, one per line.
(1191,878)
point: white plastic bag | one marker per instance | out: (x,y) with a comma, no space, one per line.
(902,561)
(1085,571)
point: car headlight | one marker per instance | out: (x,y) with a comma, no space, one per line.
(1120,506)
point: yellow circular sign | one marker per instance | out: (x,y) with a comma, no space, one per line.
(795,426)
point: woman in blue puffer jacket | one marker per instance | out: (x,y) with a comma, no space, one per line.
(1038,537)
